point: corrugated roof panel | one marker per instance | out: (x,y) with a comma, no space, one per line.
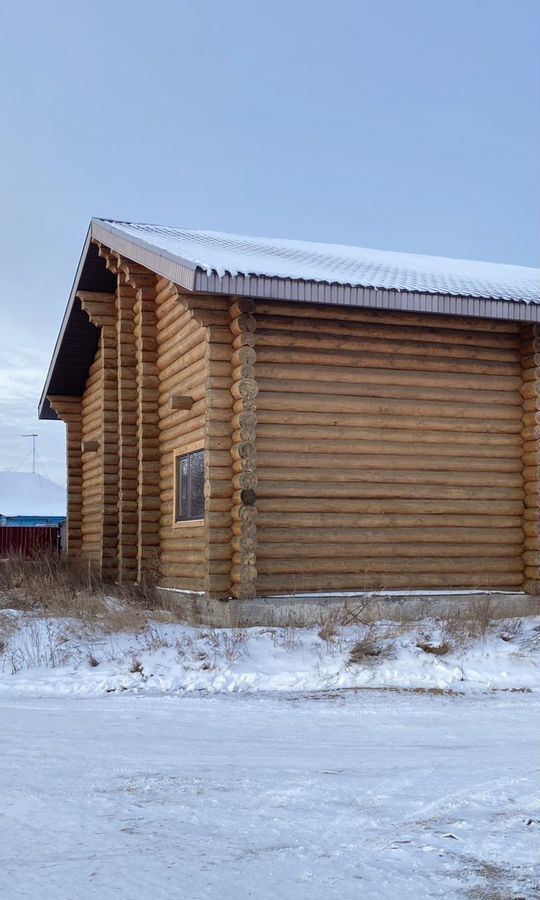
(217,253)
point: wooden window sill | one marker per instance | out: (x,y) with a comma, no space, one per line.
(189,523)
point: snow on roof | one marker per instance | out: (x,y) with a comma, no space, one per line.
(26,494)
(234,254)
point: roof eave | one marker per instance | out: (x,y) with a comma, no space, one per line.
(263,287)
(43,402)
(178,270)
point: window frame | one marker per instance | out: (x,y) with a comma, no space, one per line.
(179,454)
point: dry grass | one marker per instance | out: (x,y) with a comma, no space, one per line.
(373,643)
(458,630)
(436,649)
(62,588)
(46,644)
(224,643)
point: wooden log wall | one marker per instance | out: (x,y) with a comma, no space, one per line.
(530,362)
(389,451)
(69,410)
(91,468)
(100,415)
(160,383)
(194,362)
(181,368)
(345,449)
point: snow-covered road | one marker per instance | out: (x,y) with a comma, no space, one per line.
(371,795)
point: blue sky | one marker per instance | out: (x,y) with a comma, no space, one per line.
(398,124)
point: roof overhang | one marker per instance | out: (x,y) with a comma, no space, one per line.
(78,339)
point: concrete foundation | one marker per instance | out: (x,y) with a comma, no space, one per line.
(314,609)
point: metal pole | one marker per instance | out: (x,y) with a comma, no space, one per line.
(33,436)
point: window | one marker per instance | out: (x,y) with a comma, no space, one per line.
(189,486)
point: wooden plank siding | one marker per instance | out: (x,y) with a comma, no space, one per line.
(389,451)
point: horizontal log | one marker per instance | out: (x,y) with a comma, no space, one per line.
(245,389)
(174,373)
(244,339)
(500,403)
(354,349)
(284,400)
(390,440)
(197,369)
(395,490)
(243,573)
(357,458)
(284,523)
(191,335)
(365,315)
(488,386)
(241,305)
(178,569)
(331,564)
(296,582)
(243,356)
(194,386)
(532,587)
(243,323)
(405,329)
(358,552)
(329,428)
(375,475)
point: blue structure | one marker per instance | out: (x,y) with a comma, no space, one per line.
(31,521)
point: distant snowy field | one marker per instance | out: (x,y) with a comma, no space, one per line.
(368,795)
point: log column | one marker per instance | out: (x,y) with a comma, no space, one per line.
(218,462)
(69,410)
(101,310)
(138,441)
(148,499)
(127,432)
(243,450)
(530,364)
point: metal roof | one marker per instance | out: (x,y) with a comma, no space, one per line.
(217,254)
(295,271)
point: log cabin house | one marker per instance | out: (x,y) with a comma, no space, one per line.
(255,417)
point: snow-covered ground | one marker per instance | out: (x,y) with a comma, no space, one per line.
(367,795)
(42,656)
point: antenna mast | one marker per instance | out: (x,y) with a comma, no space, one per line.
(33,436)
